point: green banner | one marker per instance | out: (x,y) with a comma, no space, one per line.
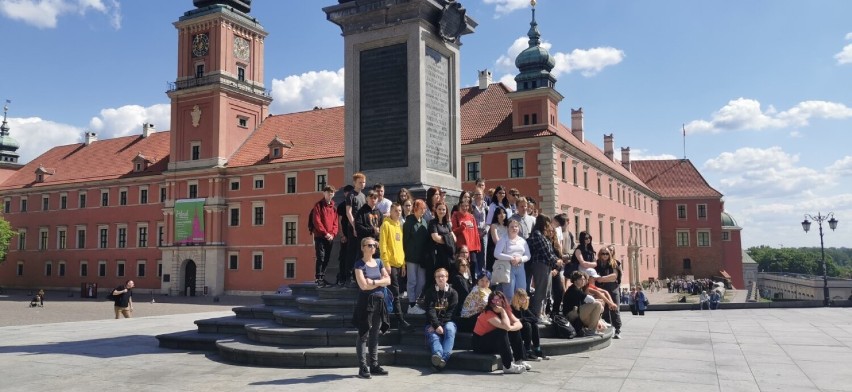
(189,221)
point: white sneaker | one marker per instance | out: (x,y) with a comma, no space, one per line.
(416,310)
(514,369)
(523,364)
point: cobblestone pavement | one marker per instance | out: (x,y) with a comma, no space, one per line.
(726,350)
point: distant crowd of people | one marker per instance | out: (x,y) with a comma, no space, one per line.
(491,264)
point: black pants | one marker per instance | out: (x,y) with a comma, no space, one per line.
(322,247)
(529,334)
(613,316)
(353,250)
(394,289)
(342,255)
(557,291)
(500,341)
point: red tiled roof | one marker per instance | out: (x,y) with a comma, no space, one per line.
(314,134)
(673,178)
(102,160)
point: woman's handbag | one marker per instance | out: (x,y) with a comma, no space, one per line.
(501,271)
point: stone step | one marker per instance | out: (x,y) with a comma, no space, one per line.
(262,312)
(244,351)
(228,324)
(304,289)
(275,334)
(337,293)
(282,300)
(325,305)
(192,340)
(300,319)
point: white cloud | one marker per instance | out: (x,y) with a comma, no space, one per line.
(638,154)
(36,136)
(746,114)
(304,92)
(507,6)
(768,172)
(845,55)
(841,167)
(588,62)
(509,80)
(128,120)
(44,14)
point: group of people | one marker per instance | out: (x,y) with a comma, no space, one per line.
(491,264)
(710,301)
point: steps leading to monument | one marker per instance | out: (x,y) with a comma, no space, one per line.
(312,327)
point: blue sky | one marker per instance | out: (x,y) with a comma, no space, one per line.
(763,86)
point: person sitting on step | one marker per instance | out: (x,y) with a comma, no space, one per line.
(440,303)
(497,331)
(529,326)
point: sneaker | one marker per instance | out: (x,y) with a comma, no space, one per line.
(514,369)
(523,364)
(617,335)
(404,295)
(545,321)
(437,361)
(541,355)
(532,357)
(378,370)
(416,310)
(364,372)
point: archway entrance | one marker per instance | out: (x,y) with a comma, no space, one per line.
(189,278)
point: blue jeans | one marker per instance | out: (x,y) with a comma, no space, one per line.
(517,280)
(441,344)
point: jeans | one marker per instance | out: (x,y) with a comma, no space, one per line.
(557,291)
(517,280)
(477,264)
(530,336)
(416,281)
(613,316)
(441,344)
(394,289)
(368,343)
(323,252)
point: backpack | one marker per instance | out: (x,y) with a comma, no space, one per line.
(311,226)
(563,327)
(110,297)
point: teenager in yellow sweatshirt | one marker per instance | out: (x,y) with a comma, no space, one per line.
(393,255)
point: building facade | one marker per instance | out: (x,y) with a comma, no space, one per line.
(219,203)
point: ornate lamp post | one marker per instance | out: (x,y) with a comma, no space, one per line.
(832,223)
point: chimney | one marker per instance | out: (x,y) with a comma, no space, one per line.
(147,129)
(484,79)
(608,139)
(577,124)
(90,137)
(625,157)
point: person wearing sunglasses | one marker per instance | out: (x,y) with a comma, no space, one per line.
(440,302)
(371,315)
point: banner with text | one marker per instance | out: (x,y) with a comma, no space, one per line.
(189,221)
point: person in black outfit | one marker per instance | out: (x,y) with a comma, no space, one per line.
(610,271)
(529,326)
(371,314)
(343,272)
(123,299)
(462,281)
(368,221)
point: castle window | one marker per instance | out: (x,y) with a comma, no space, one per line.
(241,74)
(199,70)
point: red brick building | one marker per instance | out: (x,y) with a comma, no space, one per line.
(105,211)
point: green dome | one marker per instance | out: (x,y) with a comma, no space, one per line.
(534,62)
(535,57)
(9,144)
(728,220)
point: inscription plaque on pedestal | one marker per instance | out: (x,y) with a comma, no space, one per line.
(437,111)
(383,113)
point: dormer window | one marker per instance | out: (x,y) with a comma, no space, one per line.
(140,163)
(42,173)
(242,122)
(277,147)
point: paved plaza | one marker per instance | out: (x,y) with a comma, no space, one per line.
(683,351)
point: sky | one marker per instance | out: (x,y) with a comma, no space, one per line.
(763,88)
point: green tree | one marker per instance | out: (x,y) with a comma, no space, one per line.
(6,234)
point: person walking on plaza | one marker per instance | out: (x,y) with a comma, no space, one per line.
(371,315)
(123,299)
(324,223)
(440,303)
(641,301)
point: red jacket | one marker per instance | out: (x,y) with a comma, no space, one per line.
(325,219)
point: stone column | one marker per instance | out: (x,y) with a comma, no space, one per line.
(402,91)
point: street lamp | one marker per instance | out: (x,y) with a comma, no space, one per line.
(832,223)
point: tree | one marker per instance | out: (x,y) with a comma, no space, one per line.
(6,234)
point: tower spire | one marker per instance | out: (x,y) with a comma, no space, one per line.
(535,36)
(8,145)
(534,62)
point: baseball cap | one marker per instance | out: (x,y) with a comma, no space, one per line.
(592,273)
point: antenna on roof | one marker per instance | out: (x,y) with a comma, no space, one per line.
(683,126)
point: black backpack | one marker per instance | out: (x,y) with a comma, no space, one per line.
(311,221)
(563,327)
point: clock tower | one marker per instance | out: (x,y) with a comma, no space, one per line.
(218,98)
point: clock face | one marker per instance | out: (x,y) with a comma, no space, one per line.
(241,48)
(200,45)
